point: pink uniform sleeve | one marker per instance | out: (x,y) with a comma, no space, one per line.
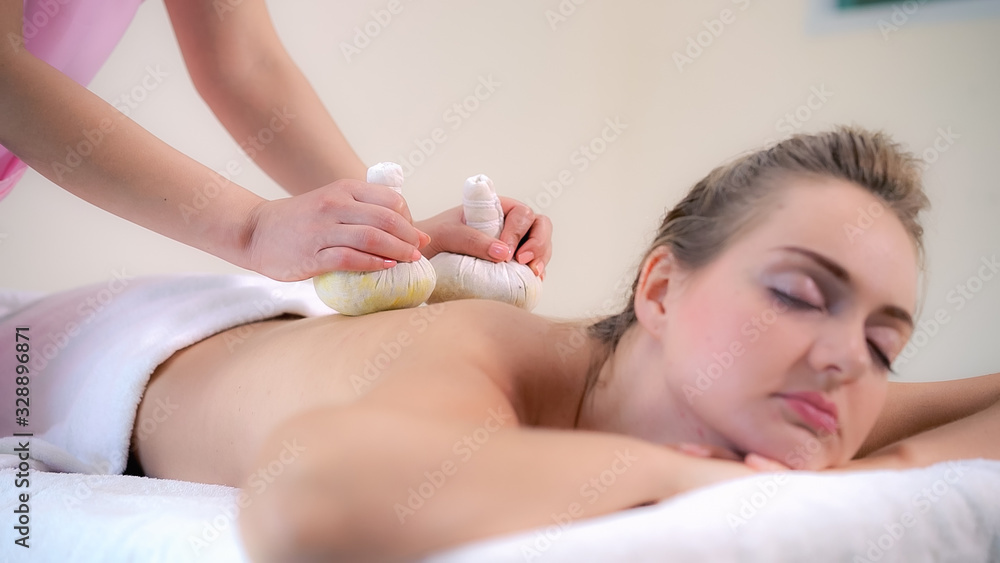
(74,36)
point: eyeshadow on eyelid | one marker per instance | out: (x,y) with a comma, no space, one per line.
(799,283)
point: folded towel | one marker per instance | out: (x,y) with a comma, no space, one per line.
(91,352)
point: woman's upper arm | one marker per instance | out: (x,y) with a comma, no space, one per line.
(220,41)
(912,408)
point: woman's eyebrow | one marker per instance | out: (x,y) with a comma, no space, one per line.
(840,273)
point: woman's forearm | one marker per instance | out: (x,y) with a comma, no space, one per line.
(386,486)
(83,144)
(253,86)
(975,436)
(912,408)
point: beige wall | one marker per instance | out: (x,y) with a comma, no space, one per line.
(555,89)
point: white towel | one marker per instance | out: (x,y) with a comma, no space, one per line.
(93,349)
(115,518)
(850,517)
(946,512)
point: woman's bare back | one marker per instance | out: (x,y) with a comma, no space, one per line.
(215,402)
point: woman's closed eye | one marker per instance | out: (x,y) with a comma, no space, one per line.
(797,303)
(882,359)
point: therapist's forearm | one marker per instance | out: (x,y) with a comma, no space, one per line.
(89,148)
(271,110)
(242,70)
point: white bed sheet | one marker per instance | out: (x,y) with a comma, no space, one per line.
(947,512)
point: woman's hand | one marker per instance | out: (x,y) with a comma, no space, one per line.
(347,225)
(449,234)
(752,460)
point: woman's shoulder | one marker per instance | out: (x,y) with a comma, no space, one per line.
(508,336)
(492,319)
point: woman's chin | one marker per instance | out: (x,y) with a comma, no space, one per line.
(800,450)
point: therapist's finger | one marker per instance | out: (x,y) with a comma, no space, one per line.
(536,250)
(380,195)
(383,219)
(347,259)
(517,221)
(366,239)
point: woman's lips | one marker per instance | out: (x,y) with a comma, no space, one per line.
(818,413)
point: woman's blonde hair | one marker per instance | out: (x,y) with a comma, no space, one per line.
(732,196)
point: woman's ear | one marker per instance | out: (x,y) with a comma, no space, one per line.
(651,292)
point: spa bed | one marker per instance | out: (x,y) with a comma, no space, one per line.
(947,512)
(81,508)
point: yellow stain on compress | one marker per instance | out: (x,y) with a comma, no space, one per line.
(361,293)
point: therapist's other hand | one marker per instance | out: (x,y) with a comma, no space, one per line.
(348,225)
(521,226)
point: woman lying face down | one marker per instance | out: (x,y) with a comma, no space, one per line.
(763,321)
(765,318)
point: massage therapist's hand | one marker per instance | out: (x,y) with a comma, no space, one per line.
(449,234)
(347,225)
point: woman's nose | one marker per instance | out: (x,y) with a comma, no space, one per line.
(841,355)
